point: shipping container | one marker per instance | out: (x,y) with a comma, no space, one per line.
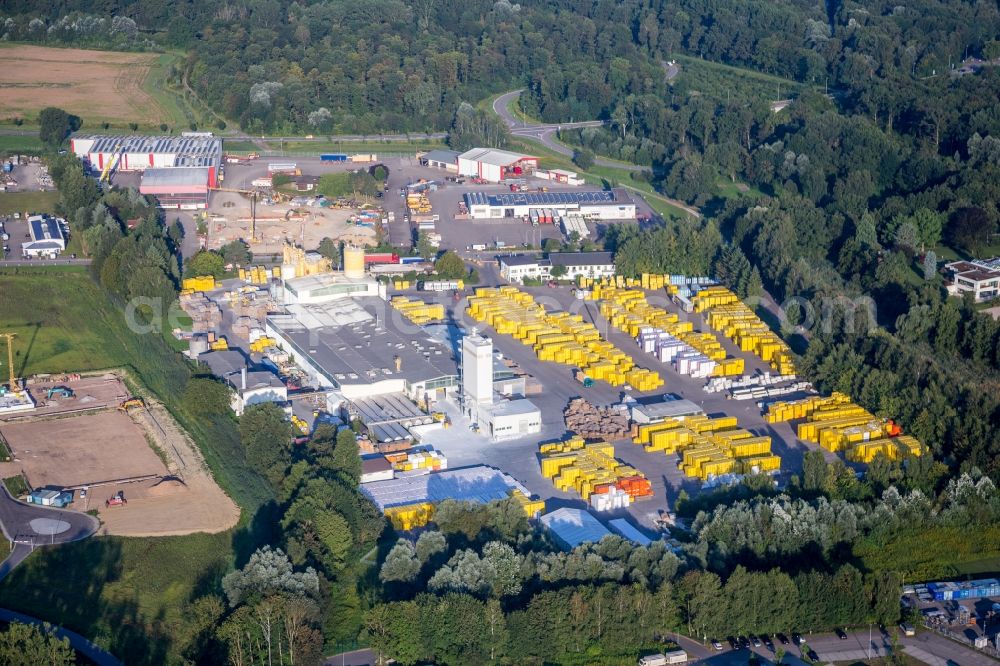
(381,258)
(410,260)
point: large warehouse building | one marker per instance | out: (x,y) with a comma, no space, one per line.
(495,165)
(593,204)
(179,170)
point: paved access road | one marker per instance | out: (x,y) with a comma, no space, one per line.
(545,133)
(31,526)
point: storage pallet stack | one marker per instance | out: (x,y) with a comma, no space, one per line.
(199,283)
(424,460)
(410,516)
(559,337)
(591,422)
(661,333)
(709,447)
(401,285)
(724,312)
(418,203)
(532,507)
(418,312)
(591,469)
(839,425)
(262,343)
(259,274)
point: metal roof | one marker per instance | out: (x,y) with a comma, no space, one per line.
(174,176)
(448,156)
(362,351)
(390,416)
(667,409)
(573,527)
(473,484)
(222,363)
(628,531)
(556,199)
(493,156)
(189,151)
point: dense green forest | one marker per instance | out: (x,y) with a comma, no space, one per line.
(843,206)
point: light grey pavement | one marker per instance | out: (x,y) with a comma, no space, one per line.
(30,527)
(79,643)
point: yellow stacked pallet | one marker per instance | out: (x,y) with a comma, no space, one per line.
(219,345)
(588,468)
(531,507)
(199,283)
(713,297)
(787,410)
(417,311)
(730,367)
(894,448)
(559,337)
(401,284)
(726,314)
(759,464)
(410,516)
(262,343)
(629,312)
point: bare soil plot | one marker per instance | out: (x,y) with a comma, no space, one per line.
(94,85)
(81,450)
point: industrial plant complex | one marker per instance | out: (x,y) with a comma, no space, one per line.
(589,398)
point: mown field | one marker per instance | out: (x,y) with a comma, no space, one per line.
(99,86)
(132,596)
(35,202)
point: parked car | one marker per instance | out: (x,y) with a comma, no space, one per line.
(841,634)
(733,643)
(797,639)
(783,639)
(812,654)
(754,640)
(716,644)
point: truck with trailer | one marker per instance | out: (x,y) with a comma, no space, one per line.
(381,258)
(333,157)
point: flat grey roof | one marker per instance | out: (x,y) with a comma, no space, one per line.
(256,379)
(574,526)
(668,409)
(221,363)
(449,156)
(175,176)
(390,416)
(362,352)
(474,484)
(513,407)
(581,258)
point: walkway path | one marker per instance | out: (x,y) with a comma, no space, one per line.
(79,643)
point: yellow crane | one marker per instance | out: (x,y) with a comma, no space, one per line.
(112,163)
(253,194)
(12,386)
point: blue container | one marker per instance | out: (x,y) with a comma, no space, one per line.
(410,260)
(333,157)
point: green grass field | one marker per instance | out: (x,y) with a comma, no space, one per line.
(132,595)
(172,103)
(728,82)
(34,202)
(20,144)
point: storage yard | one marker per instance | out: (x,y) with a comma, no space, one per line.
(612,394)
(79,439)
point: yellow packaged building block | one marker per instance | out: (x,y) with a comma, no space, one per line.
(199,283)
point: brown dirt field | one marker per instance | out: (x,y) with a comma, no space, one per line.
(91,84)
(79,450)
(189,501)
